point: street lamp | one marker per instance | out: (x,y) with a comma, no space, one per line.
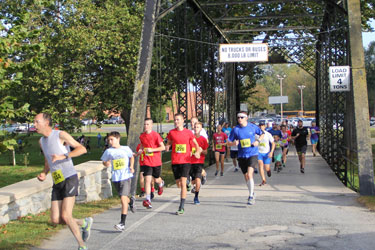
(301,87)
(281,78)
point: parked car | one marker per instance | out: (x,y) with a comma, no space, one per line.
(22,128)
(267,121)
(11,128)
(113,120)
(32,129)
(86,122)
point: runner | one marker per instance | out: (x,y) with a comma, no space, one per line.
(121,159)
(219,145)
(278,153)
(141,155)
(299,135)
(204,134)
(285,137)
(315,131)
(265,153)
(152,145)
(234,155)
(275,130)
(180,140)
(58,159)
(243,135)
(197,164)
(227,129)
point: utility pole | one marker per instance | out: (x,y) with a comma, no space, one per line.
(301,87)
(281,78)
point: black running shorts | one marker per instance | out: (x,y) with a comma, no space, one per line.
(245,163)
(154,171)
(196,171)
(66,188)
(181,170)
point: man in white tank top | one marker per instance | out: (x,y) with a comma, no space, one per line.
(55,145)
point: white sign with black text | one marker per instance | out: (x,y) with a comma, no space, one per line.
(251,52)
(339,78)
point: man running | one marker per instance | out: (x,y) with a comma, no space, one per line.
(227,129)
(285,137)
(203,133)
(265,153)
(197,164)
(243,135)
(299,135)
(180,139)
(152,145)
(57,159)
(315,131)
(219,146)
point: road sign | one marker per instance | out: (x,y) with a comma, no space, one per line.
(240,52)
(339,78)
(278,99)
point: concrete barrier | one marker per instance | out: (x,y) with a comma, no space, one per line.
(32,196)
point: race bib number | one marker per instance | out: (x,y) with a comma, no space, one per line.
(219,146)
(58,176)
(262,144)
(284,141)
(118,164)
(180,148)
(142,156)
(193,150)
(245,143)
(277,145)
(149,153)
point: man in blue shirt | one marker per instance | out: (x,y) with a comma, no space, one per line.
(243,135)
(275,131)
(227,129)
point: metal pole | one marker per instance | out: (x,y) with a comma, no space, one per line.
(361,112)
(141,85)
(281,78)
(301,87)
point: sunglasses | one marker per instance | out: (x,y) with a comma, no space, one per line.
(241,117)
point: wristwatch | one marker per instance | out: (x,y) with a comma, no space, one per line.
(66,155)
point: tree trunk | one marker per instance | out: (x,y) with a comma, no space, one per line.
(125,115)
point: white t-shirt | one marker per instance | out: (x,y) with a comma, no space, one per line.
(264,145)
(120,162)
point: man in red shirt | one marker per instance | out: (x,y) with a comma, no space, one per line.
(219,145)
(197,164)
(152,145)
(180,139)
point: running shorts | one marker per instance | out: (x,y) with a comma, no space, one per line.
(278,157)
(122,187)
(66,188)
(245,163)
(264,158)
(154,171)
(233,154)
(196,171)
(314,141)
(301,149)
(221,153)
(181,170)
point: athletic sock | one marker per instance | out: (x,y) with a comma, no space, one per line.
(252,187)
(249,187)
(182,204)
(143,190)
(148,197)
(123,218)
(196,194)
(152,189)
(161,184)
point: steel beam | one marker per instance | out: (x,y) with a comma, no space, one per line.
(244,31)
(249,2)
(141,85)
(170,9)
(267,17)
(361,112)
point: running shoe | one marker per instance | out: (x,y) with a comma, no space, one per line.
(193,190)
(269,173)
(216,173)
(302,170)
(251,200)
(314,154)
(235,169)
(152,195)
(180,211)
(86,231)
(204,179)
(147,204)
(255,170)
(142,194)
(263,183)
(120,227)
(132,206)
(221,174)
(188,186)
(82,248)
(161,188)
(196,201)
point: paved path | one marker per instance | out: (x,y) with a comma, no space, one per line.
(293,211)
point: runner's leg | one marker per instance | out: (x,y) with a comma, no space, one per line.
(67,216)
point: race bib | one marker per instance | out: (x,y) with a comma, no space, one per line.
(118,164)
(193,150)
(141,157)
(245,143)
(262,144)
(150,153)
(58,176)
(219,146)
(180,148)
(277,145)
(284,141)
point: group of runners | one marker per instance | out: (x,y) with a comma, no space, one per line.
(250,145)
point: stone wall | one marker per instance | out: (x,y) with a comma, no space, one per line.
(32,196)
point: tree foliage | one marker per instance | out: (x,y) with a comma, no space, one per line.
(370,75)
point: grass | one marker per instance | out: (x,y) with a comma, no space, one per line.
(367,201)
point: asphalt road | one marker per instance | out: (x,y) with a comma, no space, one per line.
(293,211)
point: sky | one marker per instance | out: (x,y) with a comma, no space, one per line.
(368,37)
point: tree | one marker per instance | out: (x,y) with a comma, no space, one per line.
(370,75)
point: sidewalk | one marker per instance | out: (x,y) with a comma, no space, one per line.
(293,211)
